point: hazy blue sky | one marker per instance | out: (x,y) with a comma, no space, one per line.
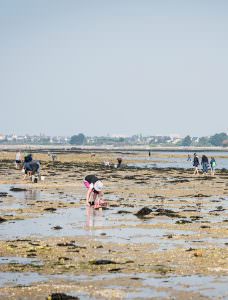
(113,66)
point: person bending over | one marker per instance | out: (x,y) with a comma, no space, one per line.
(94,194)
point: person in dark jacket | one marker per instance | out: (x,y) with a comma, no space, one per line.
(204,164)
(196,164)
(31,168)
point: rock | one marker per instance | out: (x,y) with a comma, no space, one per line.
(130,177)
(57,227)
(114,270)
(31,255)
(183,221)
(3,194)
(114,205)
(220,208)
(2,220)
(123,212)
(167,212)
(101,262)
(61,296)
(179,180)
(52,209)
(195,218)
(65,244)
(143,212)
(201,196)
(16,189)
(71,245)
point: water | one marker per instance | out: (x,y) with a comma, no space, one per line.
(17,278)
(19,260)
(148,287)
(208,286)
(21,199)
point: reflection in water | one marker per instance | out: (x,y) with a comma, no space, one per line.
(32,195)
(94,217)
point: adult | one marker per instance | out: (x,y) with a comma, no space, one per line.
(18,159)
(196,164)
(205,164)
(31,168)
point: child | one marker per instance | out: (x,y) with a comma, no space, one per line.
(213,165)
(94,186)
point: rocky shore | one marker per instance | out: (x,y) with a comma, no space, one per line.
(163,235)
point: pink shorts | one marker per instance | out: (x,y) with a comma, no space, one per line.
(87,184)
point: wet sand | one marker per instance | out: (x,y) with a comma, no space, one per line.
(50,242)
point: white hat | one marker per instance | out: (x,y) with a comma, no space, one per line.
(98,185)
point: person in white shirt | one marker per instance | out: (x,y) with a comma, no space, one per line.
(18,160)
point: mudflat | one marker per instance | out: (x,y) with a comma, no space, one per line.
(164,234)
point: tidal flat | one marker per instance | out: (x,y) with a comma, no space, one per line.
(164,234)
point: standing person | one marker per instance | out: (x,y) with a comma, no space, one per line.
(18,159)
(196,164)
(213,165)
(94,186)
(149,153)
(189,158)
(205,164)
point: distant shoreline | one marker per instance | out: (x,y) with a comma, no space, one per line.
(74,148)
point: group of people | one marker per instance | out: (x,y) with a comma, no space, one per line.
(94,185)
(206,165)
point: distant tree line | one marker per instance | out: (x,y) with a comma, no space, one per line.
(218,139)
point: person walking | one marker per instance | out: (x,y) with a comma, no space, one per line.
(196,164)
(205,164)
(189,158)
(213,165)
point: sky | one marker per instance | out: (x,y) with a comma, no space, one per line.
(103,67)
